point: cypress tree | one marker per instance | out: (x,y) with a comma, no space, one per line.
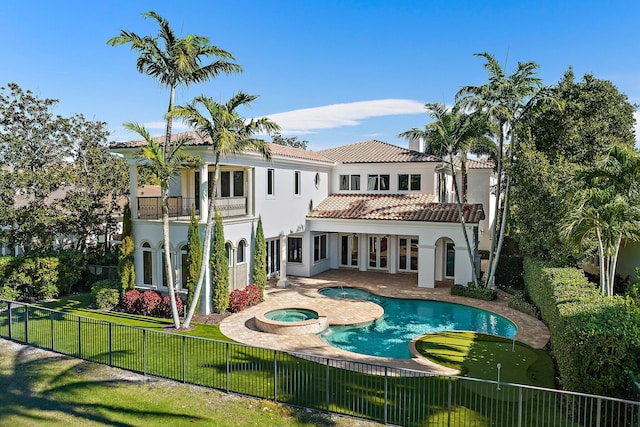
(194,257)
(219,269)
(259,273)
(126,269)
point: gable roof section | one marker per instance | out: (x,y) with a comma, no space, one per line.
(397,207)
(473,163)
(196,139)
(374,151)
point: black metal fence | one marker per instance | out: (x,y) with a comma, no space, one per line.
(384,394)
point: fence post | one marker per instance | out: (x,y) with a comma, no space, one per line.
(386,380)
(110,345)
(52,330)
(227,357)
(26,324)
(184,361)
(599,412)
(449,404)
(79,339)
(144,351)
(327,382)
(10,323)
(275,375)
(519,406)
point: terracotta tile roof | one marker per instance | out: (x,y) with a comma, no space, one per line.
(373,151)
(474,163)
(196,139)
(399,207)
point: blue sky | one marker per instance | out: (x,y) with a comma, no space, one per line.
(330,72)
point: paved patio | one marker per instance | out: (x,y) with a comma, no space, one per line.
(303,292)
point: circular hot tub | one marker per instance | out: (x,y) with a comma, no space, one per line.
(291,321)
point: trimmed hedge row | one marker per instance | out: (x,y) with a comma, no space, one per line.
(473,292)
(596,339)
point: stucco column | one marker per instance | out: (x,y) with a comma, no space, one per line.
(363,252)
(133,190)
(250,200)
(283,282)
(463,266)
(204,192)
(426,265)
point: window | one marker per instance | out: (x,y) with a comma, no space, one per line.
(294,249)
(147,264)
(240,258)
(165,274)
(229,251)
(442,188)
(271,176)
(273,256)
(296,183)
(406,181)
(316,180)
(319,247)
(228,187)
(349,182)
(378,182)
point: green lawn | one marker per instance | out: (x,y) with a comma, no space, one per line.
(300,381)
(477,356)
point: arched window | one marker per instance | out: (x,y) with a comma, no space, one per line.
(229,250)
(147,264)
(242,245)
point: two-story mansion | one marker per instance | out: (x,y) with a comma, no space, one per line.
(366,206)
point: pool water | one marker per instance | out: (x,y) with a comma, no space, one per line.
(291,315)
(405,319)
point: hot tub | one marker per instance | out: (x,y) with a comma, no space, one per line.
(291,321)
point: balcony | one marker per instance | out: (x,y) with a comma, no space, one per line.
(180,207)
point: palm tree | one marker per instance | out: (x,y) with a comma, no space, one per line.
(504,99)
(608,208)
(173,61)
(165,166)
(454,133)
(229,134)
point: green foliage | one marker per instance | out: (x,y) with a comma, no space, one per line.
(126,266)
(290,142)
(219,269)
(519,302)
(509,272)
(194,257)
(259,274)
(596,339)
(471,291)
(71,267)
(127,226)
(633,289)
(105,293)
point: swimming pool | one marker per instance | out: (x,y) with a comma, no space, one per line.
(405,319)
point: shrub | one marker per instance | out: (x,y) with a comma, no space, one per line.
(71,267)
(148,303)
(219,264)
(9,293)
(470,291)
(519,302)
(107,298)
(103,284)
(254,294)
(164,308)
(238,300)
(259,273)
(130,300)
(596,339)
(35,278)
(509,272)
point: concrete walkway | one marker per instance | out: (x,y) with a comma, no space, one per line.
(303,293)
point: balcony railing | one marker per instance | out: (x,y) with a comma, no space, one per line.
(180,207)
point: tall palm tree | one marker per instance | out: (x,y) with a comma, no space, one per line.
(454,133)
(504,99)
(229,134)
(174,61)
(165,166)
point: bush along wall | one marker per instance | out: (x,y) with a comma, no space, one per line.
(596,339)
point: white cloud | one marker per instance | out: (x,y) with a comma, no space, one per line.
(337,115)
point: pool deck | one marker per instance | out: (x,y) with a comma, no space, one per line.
(303,293)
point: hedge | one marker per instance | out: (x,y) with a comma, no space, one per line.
(486,294)
(596,339)
(105,293)
(509,272)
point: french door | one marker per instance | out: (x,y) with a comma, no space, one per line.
(349,250)
(378,252)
